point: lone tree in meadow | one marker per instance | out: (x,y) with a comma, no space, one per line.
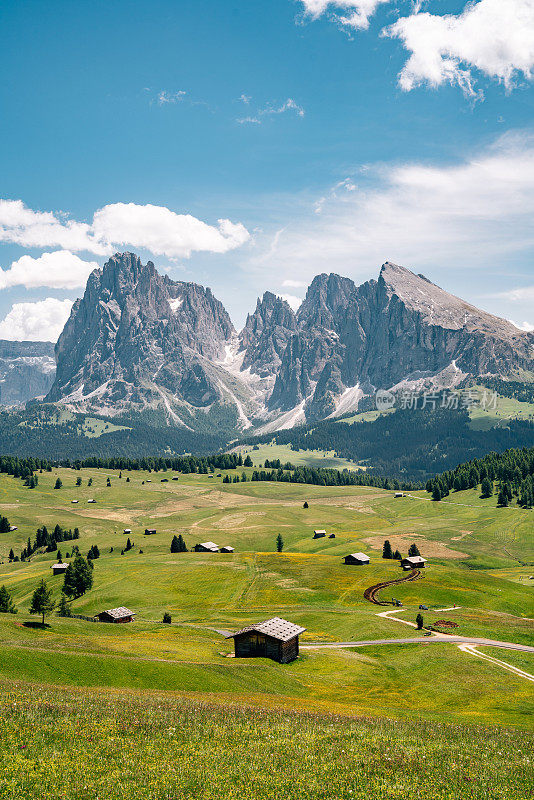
(178,544)
(42,602)
(397,556)
(78,577)
(5,527)
(305,504)
(78,481)
(387,552)
(419,620)
(487,488)
(414,550)
(58,484)
(167,619)
(279,543)
(6,602)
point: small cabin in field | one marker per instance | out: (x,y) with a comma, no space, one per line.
(227,549)
(206,547)
(413,562)
(357,558)
(319,534)
(13,528)
(91,501)
(275,638)
(127,531)
(150,531)
(121,614)
(59,568)
(399,494)
(332,536)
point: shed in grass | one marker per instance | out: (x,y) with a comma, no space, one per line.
(150,531)
(127,530)
(121,614)
(413,562)
(319,534)
(206,547)
(59,568)
(357,558)
(227,549)
(275,638)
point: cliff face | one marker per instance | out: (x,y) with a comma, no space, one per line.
(139,340)
(26,370)
(135,335)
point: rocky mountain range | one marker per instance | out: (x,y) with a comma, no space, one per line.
(140,342)
(27,371)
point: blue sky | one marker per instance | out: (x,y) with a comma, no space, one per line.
(330,136)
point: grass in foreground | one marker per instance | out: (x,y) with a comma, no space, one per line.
(59,743)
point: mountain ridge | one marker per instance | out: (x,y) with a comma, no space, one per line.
(141,341)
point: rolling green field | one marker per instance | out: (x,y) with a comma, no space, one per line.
(473,552)
(308,458)
(148,710)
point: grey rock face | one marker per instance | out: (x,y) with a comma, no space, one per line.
(136,335)
(137,339)
(27,371)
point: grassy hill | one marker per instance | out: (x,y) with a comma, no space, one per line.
(147,710)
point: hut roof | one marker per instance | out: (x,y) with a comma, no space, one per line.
(59,565)
(227,547)
(415,559)
(276,627)
(119,613)
(359,556)
(320,531)
(209,545)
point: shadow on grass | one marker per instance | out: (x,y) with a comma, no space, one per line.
(36,625)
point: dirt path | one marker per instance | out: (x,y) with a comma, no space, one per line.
(371,594)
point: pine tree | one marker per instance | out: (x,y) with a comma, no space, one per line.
(78,481)
(11,555)
(5,527)
(59,556)
(42,602)
(279,543)
(167,619)
(78,577)
(247,462)
(387,552)
(414,550)
(305,504)
(436,492)
(181,544)
(58,484)
(175,545)
(419,620)
(397,556)
(6,602)
(486,488)
(63,609)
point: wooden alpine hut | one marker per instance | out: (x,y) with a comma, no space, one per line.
(275,638)
(413,562)
(121,614)
(59,568)
(357,558)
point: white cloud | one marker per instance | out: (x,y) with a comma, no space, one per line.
(164,97)
(293,301)
(525,326)
(495,37)
(357,13)
(290,284)
(476,212)
(59,270)
(520,295)
(42,321)
(154,228)
(164,232)
(269,110)
(28,228)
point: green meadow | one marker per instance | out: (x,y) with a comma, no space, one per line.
(154,711)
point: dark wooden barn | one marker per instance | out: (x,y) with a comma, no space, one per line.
(59,568)
(357,558)
(319,534)
(148,531)
(206,547)
(120,614)
(275,638)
